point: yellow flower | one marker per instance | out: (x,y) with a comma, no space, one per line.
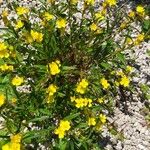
(6,67)
(19,24)
(16,138)
(89,102)
(2,99)
(93,27)
(60,132)
(4,13)
(16,81)
(120,73)
(129,68)
(4,54)
(65,125)
(99,16)
(3,50)
(13,100)
(50,99)
(72,98)
(99,126)
(61,23)
(80,89)
(15,146)
(91,121)
(6,147)
(28,38)
(100,100)
(22,10)
(51,90)
(50,1)
(36,36)
(131,14)
(140,10)
(90,2)
(81,102)
(139,39)
(124,81)
(102,118)
(84,83)
(48,16)
(54,67)
(81,86)
(74,2)
(111,2)
(15,142)
(3,46)
(104,83)
(123,25)
(129,41)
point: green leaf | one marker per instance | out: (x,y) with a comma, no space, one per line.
(62,145)
(39,119)
(146,25)
(82,125)
(106,65)
(72,116)
(68,68)
(11,126)
(121,57)
(5,79)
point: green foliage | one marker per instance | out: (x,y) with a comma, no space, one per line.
(60,74)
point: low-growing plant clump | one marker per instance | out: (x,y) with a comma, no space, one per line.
(70,55)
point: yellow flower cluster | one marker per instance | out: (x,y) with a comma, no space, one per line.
(16,81)
(19,24)
(93,27)
(99,16)
(139,39)
(110,2)
(51,90)
(140,10)
(63,127)
(5,13)
(82,102)
(82,86)
(74,2)
(48,16)
(36,36)
(131,14)
(129,69)
(6,67)
(104,83)
(61,23)
(14,144)
(102,118)
(90,2)
(2,99)
(22,10)
(100,100)
(91,121)
(4,53)
(124,81)
(53,67)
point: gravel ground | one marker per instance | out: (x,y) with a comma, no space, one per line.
(133,125)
